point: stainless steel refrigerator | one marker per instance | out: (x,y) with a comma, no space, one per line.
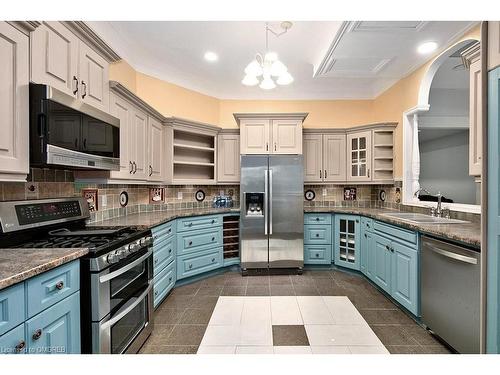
(272,213)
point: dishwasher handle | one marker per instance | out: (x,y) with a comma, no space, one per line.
(455,256)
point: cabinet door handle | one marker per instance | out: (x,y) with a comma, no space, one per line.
(76,142)
(387,247)
(76,86)
(19,347)
(85,143)
(135,166)
(37,334)
(275,146)
(130,167)
(267,146)
(320,173)
(150,170)
(170,251)
(325,173)
(84,94)
(368,173)
(156,293)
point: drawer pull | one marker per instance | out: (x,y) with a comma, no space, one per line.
(190,224)
(169,230)
(190,266)
(213,221)
(317,234)
(19,347)
(37,334)
(60,285)
(213,260)
(190,243)
(156,293)
(170,251)
(156,261)
(317,219)
(170,278)
(317,255)
(387,247)
(213,238)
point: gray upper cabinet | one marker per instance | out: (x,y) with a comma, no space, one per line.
(14,103)
(359,156)
(228,157)
(313,157)
(60,59)
(324,157)
(493,44)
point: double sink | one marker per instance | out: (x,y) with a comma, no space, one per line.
(422,218)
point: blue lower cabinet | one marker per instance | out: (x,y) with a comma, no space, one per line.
(382,262)
(199,262)
(317,254)
(163,254)
(347,242)
(12,307)
(13,342)
(56,330)
(404,272)
(366,255)
(318,234)
(163,283)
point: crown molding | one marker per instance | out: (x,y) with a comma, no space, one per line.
(378,125)
(471,54)
(128,95)
(192,126)
(291,115)
(25,26)
(85,33)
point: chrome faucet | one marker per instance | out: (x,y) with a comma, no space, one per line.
(437,211)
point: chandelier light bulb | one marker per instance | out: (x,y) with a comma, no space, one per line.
(271,56)
(250,80)
(284,79)
(278,68)
(267,84)
(253,69)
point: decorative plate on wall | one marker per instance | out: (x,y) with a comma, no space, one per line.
(309,195)
(123,198)
(382,195)
(199,195)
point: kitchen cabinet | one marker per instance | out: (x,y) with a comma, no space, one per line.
(347,241)
(382,262)
(228,157)
(359,156)
(493,44)
(138,144)
(14,103)
(324,157)
(61,60)
(270,133)
(156,133)
(164,260)
(366,234)
(404,268)
(255,136)
(122,109)
(42,315)
(318,239)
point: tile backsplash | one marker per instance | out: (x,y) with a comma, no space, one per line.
(52,183)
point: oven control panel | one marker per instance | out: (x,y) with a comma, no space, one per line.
(47,211)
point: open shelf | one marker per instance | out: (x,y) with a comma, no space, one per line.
(231,238)
(383,155)
(191,147)
(193,163)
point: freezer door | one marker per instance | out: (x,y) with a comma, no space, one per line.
(286,211)
(253,227)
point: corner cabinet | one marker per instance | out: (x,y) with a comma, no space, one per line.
(270,133)
(359,156)
(347,241)
(14,103)
(228,156)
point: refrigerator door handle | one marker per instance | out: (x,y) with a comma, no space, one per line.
(265,201)
(270,201)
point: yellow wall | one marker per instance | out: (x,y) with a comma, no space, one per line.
(173,100)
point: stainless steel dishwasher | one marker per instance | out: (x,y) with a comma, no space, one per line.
(451,293)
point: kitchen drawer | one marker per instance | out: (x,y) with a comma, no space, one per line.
(317,234)
(12,307)
(317,218)
(163,232)
(57,329)
(163,254)
(51,287)
(393,232)
(366,224)
(13,342)
(317,254)
(163,283)
(194,241)
(193,264)
(198,222)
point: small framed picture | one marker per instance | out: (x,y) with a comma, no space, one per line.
(350,194)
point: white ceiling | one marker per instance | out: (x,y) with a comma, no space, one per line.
(329,60)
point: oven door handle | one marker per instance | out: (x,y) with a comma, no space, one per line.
(124,269)
(126,309)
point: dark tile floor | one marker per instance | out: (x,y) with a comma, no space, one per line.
(181,320)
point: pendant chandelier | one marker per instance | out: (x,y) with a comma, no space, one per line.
(267,71)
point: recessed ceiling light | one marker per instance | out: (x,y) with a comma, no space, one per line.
(211,56)
(427,47)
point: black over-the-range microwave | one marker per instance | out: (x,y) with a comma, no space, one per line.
(68,132)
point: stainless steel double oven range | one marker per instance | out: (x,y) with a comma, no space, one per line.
(115,276)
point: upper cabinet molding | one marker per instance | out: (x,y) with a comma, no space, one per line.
(271,116)
(86,34)
(125,93)
(192,126)
(389,125)
(25,26)
(471,54)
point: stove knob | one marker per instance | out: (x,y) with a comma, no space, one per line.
(146,241)
(122,252)
(133,247)
(112,258)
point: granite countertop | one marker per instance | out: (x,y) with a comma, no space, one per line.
(154,218)
(467,233)
(17,265)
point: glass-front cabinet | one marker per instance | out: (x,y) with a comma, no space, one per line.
(359,156)
(347,241)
